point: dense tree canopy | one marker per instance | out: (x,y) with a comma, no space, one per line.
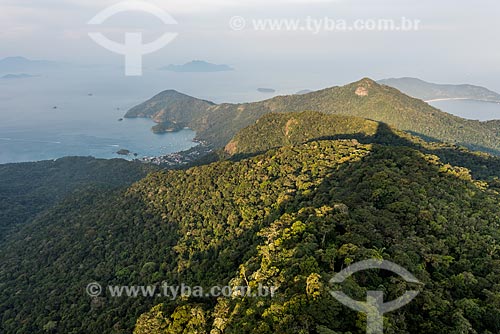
(27,189)
(217,124)
(290,217)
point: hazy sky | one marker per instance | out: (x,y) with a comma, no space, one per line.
(457,40)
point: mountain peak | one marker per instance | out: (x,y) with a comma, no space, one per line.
(363,86)
(171,92)
(171,106)
(365,82)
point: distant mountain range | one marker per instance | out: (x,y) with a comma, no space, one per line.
(430,91)
(21,64)
(197,66)
(217,124)
(18,76)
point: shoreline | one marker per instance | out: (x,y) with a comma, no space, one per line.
(181,158)
(172,160)
(461,98)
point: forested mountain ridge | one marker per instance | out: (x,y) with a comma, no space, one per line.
(382,204)
(218,124)
(289,217)
(281,129)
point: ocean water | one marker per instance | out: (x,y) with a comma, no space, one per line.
(470,109)
(76,112)
(51,117)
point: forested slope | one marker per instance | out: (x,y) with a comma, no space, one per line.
(27,189)
(280,129)
(218,124)
(290,217)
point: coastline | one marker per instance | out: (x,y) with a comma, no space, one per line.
(181,158)
(461,98)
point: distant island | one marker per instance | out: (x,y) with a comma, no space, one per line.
(303,92)
(123,152)
(266,90)
(22,64)
(197,66)
(431,92)
(18,76)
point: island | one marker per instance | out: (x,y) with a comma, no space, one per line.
(18,76)
(22,64)
(431,92)
(266,90)
(123,152)
(197,66)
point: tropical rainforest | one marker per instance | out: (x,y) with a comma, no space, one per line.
(287,201)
